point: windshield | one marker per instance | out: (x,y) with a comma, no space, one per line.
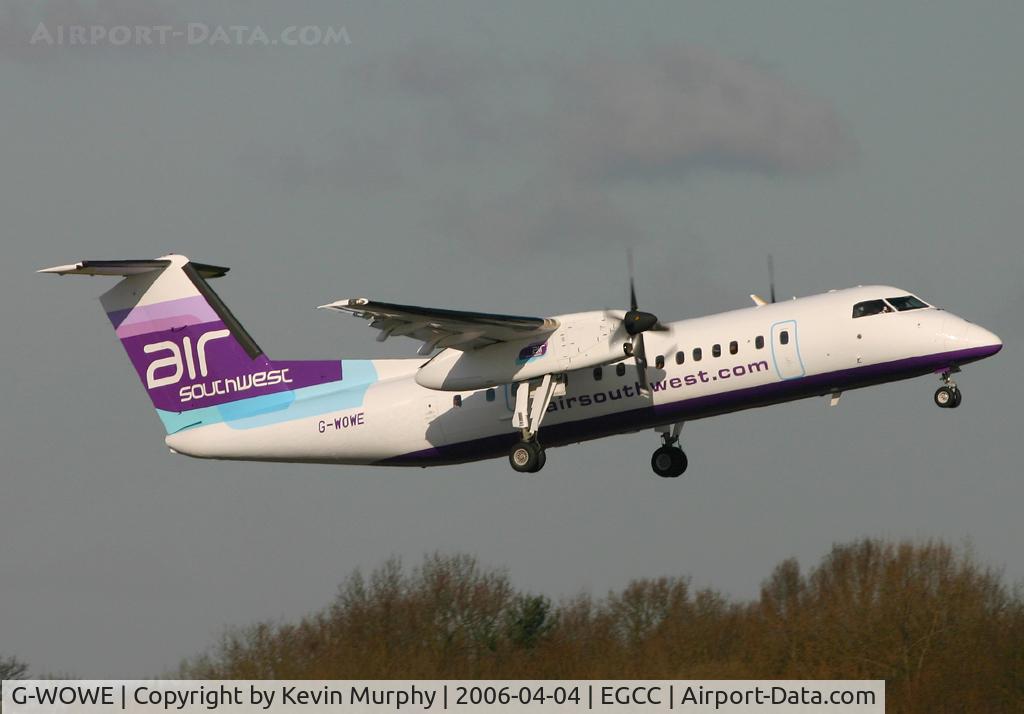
(870,307)
(907,302)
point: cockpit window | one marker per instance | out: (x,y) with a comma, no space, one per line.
(870,307)
(907,302)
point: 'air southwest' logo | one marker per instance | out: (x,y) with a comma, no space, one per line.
(532,352)
(191,359)
(174,360)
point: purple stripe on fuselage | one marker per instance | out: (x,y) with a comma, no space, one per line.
(697,407)
(141,319)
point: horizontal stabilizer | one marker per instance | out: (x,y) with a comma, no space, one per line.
(124,268)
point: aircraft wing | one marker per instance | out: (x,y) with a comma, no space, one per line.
(438,328)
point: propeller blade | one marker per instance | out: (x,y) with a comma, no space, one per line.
(633,304)
(636,321)
(640,355)
(771,277)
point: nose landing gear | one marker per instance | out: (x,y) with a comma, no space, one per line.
(948,395)
(669,461)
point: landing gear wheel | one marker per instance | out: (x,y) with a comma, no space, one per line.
(527,457)
(669,462)
(541,460)
(947,397)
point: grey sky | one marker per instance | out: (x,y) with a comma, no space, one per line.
(494,156)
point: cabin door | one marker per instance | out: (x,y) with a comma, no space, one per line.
(786,350)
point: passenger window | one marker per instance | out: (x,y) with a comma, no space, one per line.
(716,350)
(907,302)
(659,362)
(784,337)
(680,357)
(870,307)
(759,342)
(697,354)
(457,400)
(734,347)
(620,369)
(598,373)
(490,395)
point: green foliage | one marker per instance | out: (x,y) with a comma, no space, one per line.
(528,621)
(944,632)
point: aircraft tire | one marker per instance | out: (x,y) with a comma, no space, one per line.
(542,459)
(946,397)
(525,457)
(669,462)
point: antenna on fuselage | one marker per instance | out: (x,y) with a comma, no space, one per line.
(771,277)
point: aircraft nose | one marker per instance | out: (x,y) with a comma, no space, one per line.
(981,339)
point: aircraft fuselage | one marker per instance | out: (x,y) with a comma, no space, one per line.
(701,367)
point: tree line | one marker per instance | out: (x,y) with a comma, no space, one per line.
(945,632)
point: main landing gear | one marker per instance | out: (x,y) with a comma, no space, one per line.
(948,395)
(669,461)
(527,457)
(532,400)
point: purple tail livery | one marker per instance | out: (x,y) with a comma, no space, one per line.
(188,349)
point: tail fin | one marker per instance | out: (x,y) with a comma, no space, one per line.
(193,356)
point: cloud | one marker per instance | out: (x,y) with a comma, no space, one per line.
(440,72)
(683,110)
(668,114)
(572,131)
(540,216)
(464,102)
(365,165)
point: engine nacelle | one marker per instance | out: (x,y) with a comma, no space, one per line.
(583,339)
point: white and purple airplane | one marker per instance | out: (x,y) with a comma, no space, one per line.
(485,385)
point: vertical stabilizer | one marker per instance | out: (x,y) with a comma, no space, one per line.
(196,361)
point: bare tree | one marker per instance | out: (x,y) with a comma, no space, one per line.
(12,668)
